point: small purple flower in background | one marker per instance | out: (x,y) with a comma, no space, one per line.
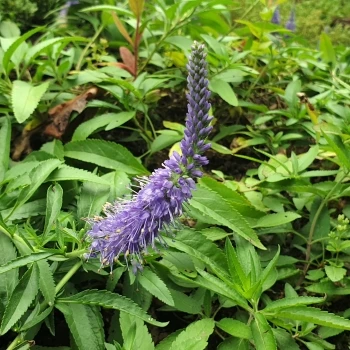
(64,11)
(291,25)
(130,226)
(276,18)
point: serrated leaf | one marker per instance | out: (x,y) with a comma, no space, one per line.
(212,283)
(237,273)
(140,339)
(262,333)
(197,246)
(184,303)
(335,273)
(289,302)
(195,336)
(313,315)
(216,207)
(105,154)
(37,319)
(166,343)
(277,219)
(33,208)
(84,325)
(37,176)
(46,282)
(152,283)
(20,169)
(110,300)
(5,140)
(235,328)
(284,339)
(66,173)
(21,298)
(54,198)
(9,279)
(25,98)
(23,260)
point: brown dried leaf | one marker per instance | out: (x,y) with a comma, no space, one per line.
(59,115)
(128,59)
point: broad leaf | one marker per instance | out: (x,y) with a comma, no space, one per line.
(262,333)
(21,298)
(195,336)
(135,333)
(23,260)
(110,300)
(85,324)
(224,90)
(289,302)
(235,328)
(9,279)
(53,206)
(25,98)
(215,206)
(105,154)
(277,219)
(46,282)
(313,315)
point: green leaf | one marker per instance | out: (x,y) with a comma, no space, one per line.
(37,176)
(25,98)
(105,154)
(216,207)
(197,246)
(21,298)
(212,283)
(338,146)
(46,282)
(284,339)
(289,302)
(166,342)
(262,333)
(235,328)
(224,90)
(54,203)
(5,140)
(85,325)
(37,319)
(153,284)
(15,45)
(33,208)
(107,121)
(327,50)
(9,279)
(334,273)
(110,300)
(92,198)
(277,219)
(195,336)
(237,273)
(35,50)
(184,303)
(135,333)
(67,173)
(313,315)
(23,260)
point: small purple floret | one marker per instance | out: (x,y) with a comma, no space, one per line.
(291,25)
(130,226)
(276,18)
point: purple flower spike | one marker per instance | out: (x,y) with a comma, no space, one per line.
(291,25)
(130,226)
(276,18)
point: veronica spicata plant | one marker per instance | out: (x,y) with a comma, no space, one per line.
(130,226)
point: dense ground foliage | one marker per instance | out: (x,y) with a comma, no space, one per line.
(94,95)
